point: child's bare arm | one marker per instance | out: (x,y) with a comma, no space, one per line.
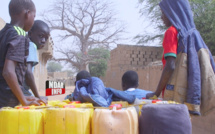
(29,77)
(30,81)
(9,75)
(166,74)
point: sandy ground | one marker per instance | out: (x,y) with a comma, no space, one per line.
(58,97)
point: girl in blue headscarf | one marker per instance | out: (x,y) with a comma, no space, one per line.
(192,80)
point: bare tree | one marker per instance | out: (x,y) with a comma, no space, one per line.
(88,24)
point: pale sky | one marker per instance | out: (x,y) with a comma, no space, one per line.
(127,11)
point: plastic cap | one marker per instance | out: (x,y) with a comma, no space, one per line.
(155,101)
(74,102)
(23,107)
(118,106)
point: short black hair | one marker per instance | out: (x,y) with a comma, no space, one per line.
(83,75)
(17,6)
(130,79)
(38,24)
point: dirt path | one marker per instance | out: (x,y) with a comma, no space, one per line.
(58,97)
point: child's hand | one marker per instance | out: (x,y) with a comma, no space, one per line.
(43,99)
(30,98)
(32,101)
(35,103)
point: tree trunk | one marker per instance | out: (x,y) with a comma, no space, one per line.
(84,67)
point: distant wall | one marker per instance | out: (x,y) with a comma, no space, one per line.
(2,23)
(58,75)
(137,58)
(62,76)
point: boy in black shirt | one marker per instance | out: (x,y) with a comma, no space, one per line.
(13,52)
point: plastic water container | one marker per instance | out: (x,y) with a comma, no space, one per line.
(67,121)
(54,121)
(107,121)
(53,102)
(165,119)
(89,106)
(31,122)
(9,118)
(21,121)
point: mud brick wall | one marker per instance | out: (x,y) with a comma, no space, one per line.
(134,56)
(137,58)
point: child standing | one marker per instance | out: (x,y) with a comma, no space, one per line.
(191,76)
(38,36)
(13,51)
(170,44)
(130,84)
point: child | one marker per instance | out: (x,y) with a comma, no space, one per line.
(189,78)
(81,75)
(130,84)
(13,51)
(170,43)
(38,35)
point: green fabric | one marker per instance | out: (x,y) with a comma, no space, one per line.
(20,31)
(170,54)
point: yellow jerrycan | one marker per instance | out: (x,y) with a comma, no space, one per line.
(54,102)
(20,121)
(9,121)
(89,106)
(123,121)
(31,121)
(67,121)
(78,121)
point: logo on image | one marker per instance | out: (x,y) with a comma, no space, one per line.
(54,88)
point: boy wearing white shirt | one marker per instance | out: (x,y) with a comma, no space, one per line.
(130,84)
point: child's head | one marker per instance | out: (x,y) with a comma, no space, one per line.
(129,80)
(82,75)
(39,33)
(166,21)
(22,13)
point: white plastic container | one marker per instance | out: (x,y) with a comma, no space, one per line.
(124,121)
